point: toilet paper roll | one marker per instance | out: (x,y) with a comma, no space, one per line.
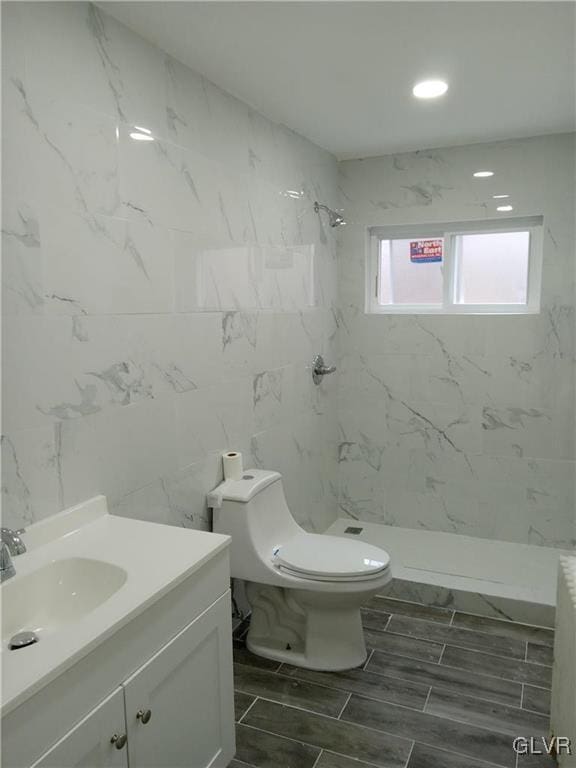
(232,462)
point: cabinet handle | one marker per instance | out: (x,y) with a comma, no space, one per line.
(144,715)
(119,741)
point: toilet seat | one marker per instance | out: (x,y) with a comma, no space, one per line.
(330,558)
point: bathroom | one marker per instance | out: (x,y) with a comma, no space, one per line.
(199,199)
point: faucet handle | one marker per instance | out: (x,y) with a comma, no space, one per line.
(319,369)
(13,541)
(7,569)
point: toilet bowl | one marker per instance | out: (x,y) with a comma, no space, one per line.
(305,590)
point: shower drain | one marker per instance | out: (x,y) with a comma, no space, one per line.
(22,640)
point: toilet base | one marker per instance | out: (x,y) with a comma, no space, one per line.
(306,628)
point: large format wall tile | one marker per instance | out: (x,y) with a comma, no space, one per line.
(162,299)
(461,423)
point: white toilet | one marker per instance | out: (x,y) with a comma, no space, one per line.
(305,589)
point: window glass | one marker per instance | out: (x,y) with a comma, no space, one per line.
(411,271)
(492,268)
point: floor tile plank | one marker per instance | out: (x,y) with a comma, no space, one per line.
(416,610)
(465,638)
(323,732)
(368,684)
(266,750)
(289,690)
(537,761)
(469,683)
(377,620)
(243,656)
(485,714)
(440,676)
(540,654)
(536,699)
(241,703)
(330,760)
(496,666)
(540,635)
(436,731)
(404,645)
(424,756)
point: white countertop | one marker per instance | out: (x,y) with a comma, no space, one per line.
(155,557)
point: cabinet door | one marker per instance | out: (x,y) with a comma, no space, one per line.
(88,744)
(180,704)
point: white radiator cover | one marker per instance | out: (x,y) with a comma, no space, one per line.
(563,712)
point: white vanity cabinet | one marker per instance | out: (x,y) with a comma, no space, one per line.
(88,744)
(143,679)
(185,692)
(175,711)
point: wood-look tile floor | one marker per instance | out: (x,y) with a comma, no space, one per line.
(439,689)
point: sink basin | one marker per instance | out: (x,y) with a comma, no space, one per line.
(59,593)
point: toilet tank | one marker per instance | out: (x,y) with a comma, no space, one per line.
(254,512)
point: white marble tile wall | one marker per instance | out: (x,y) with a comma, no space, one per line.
(162,299)
(463,424)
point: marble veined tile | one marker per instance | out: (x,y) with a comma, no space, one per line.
(511,377)
(473,603)
(22,261)
(116,253)
(530,432)
(56,36)
(415,610)
(102,265)
(31,475)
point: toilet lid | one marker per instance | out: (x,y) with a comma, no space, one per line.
(331,556)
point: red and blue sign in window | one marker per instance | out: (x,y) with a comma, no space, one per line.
(425,251)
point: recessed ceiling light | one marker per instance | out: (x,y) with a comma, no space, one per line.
(505,208)
(143,130)
(141,136)
(483,174)
(499,197)
(430,89)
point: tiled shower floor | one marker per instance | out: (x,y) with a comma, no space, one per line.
(440,689)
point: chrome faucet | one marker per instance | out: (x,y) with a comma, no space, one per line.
(10,545)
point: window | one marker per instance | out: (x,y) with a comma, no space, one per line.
(491,267)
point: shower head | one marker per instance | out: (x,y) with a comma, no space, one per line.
(334,218)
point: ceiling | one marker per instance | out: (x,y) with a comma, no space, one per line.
(341,73)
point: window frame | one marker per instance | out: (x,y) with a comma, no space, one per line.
(450,231)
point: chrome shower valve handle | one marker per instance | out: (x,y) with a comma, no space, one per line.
(319,369)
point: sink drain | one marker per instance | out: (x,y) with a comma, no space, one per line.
(22,640)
